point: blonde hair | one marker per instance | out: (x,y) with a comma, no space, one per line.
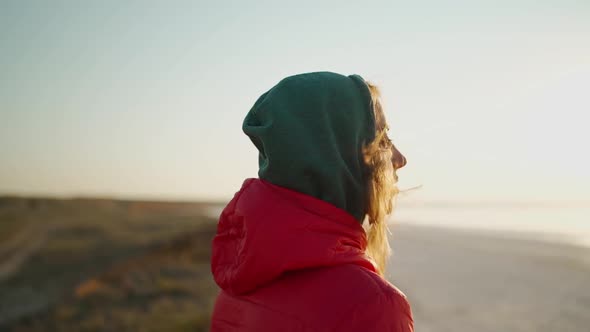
(381,187)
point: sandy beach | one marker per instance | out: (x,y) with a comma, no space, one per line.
(476,281)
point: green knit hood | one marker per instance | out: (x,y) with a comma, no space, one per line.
(310,130)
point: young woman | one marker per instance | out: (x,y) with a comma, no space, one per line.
(291,253)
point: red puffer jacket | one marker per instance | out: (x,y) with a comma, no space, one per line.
(286,261)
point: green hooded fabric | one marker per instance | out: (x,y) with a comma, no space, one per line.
(310,130)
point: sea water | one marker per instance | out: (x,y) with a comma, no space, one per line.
(568,223)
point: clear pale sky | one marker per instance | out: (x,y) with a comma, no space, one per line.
(488,100)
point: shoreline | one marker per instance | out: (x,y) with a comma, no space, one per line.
(552,238)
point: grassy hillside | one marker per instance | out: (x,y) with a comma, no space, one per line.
(104,265)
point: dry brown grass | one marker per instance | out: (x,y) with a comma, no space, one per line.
(114,266)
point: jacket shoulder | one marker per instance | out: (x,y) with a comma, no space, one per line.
(349,297)
(386,308)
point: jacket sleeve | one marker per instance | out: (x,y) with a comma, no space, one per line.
(384,312)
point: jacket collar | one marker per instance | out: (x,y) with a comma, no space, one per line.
(267,230)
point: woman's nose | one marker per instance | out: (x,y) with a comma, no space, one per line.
(398,159)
